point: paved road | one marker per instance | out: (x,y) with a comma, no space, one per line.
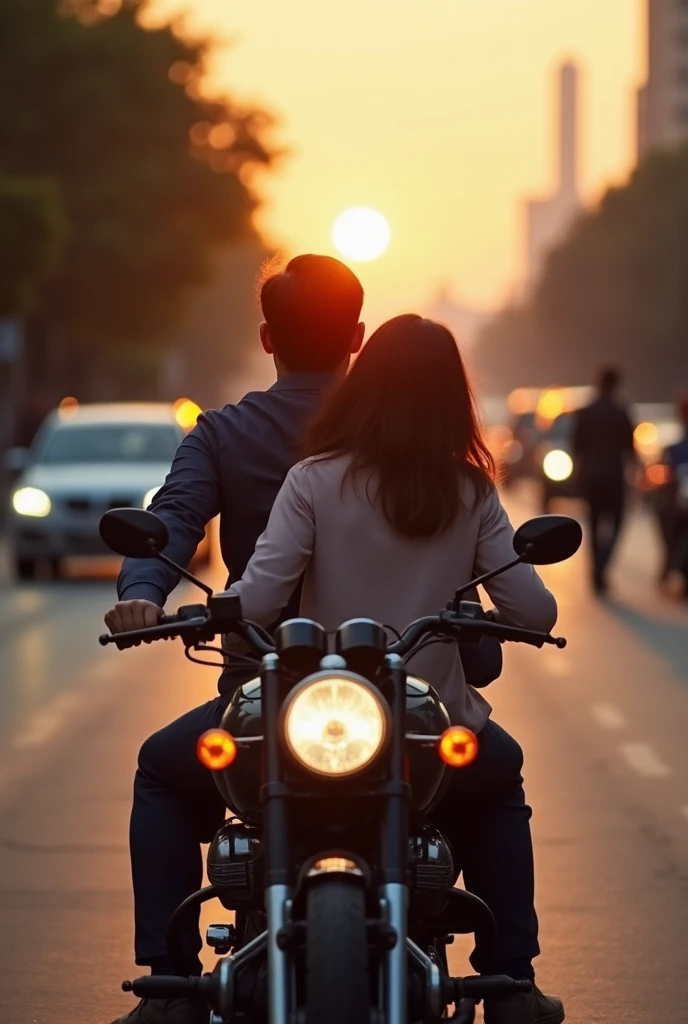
(603,724)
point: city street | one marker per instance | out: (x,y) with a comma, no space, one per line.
(603,724)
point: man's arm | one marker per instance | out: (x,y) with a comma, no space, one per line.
(187,501)
(482,662)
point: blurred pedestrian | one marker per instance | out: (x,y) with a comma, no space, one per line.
(672,505)
(603,447)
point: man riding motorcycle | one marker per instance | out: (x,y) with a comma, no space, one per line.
(233,464)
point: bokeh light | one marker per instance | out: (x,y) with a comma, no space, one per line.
(186,413)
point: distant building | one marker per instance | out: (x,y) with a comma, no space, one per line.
(548,219)
(465,322)
(663,100)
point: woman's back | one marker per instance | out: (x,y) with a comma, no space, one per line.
(357,565)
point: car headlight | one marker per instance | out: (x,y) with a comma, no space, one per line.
(31,501)
(335,724)
(557,465)
(149,495)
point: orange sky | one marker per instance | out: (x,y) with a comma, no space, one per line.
(437,112)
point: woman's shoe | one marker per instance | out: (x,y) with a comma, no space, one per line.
(164,1011)
(525,1008)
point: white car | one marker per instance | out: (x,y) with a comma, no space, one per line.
(85,460)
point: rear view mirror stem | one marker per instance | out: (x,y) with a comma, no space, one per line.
(489,575)
(183,572)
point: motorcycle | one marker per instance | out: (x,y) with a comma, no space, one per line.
(330,762)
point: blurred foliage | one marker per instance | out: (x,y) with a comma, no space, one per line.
(152,173)
(33,231)
(616,290)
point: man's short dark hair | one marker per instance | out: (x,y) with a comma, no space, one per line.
(609,379)
(312,308)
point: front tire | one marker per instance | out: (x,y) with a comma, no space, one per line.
(337,982)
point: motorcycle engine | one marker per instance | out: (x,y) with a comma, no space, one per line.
(232,864)
(431,870)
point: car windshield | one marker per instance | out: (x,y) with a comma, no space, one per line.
(110,442)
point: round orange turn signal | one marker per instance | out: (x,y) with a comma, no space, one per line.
(458,746)
(216,749)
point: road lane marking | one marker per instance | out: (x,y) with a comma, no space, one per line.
(46,722)
(608,716)
(643,759)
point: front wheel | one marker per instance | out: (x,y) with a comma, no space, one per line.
(337,982)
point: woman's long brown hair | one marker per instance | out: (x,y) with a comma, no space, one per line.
(406,413)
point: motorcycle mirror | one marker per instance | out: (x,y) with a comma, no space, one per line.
(548,539)
(133,532)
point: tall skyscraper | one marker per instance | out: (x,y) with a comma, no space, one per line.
(548,219)
(663,100)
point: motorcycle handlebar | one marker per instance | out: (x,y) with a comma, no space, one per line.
(169,627)
(173,626)
(449,625)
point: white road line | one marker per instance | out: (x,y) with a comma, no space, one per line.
(608,716)
(45,723)
(643,759)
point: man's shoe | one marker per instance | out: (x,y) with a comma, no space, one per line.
(164,1011)
(525,1008)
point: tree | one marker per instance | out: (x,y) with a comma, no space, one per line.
(615,290)
(33,231)
(152,173)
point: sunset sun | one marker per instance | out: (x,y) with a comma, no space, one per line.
(361,233)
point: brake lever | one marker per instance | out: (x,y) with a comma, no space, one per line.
(483,623)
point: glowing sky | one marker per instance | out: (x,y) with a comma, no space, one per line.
(439,113)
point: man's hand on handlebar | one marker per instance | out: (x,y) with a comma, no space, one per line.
(128,615)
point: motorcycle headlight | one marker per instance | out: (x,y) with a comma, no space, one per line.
(557,465)
(335,725)
(31,501)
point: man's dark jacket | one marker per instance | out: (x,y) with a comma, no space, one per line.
(232,464)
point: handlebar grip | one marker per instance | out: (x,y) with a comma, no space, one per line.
(174,626)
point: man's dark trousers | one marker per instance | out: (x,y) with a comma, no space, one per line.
(177,807)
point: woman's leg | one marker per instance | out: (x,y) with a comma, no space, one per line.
(485,817)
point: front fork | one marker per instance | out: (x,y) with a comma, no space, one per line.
(396,965)
(394,851)
(279,996)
